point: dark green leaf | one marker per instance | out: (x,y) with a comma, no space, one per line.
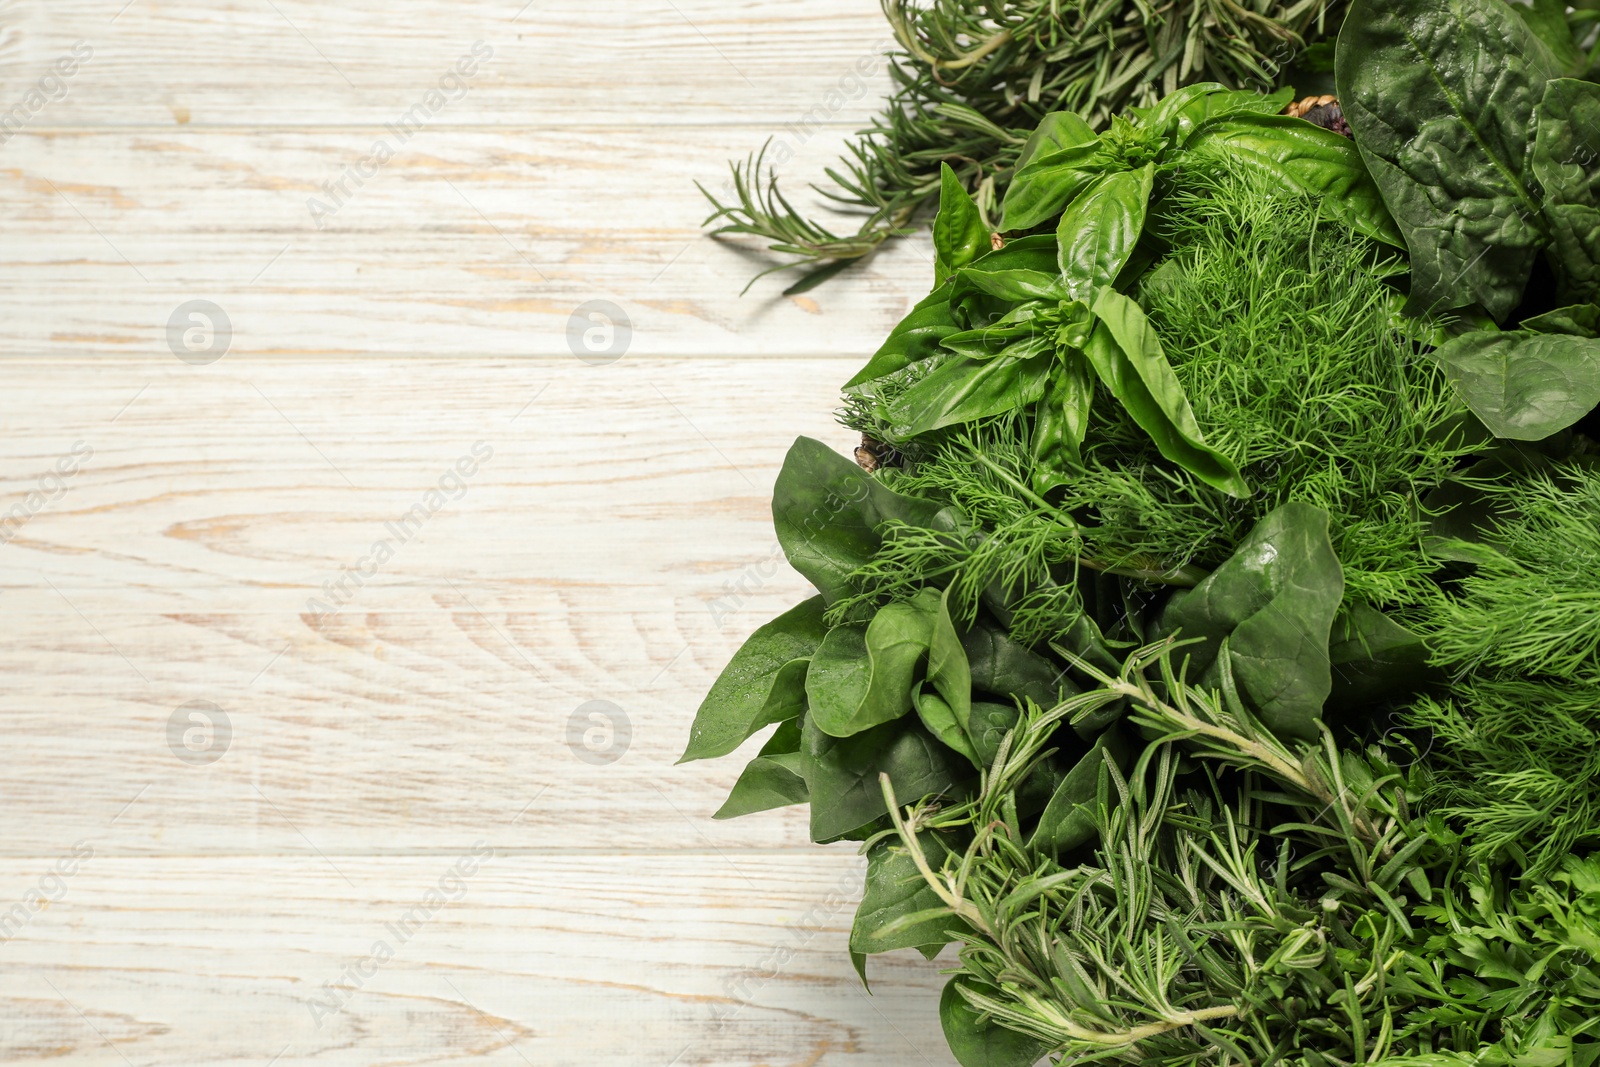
(772,779)
(1548,21)
(1566,160)
(896,891)
(951,678)
(1274,600)
(763,684)
(959,236)
(1060,421)
(1069,819)
(1373,657)
(842,773)
(1524,386)
(1100,228)
(1303,157)
(1003,667)
(827,510)
(1048,183)
(1441,97)
(980,1044)
(987,726)
(862,675)
(940,719)
(916,338)
(1580,320)
(1057,130)
(1127,356)
(1220,102)
(962,389)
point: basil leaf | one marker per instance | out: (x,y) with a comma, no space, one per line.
(1525,386)
(842,773)
(983,1044)
(1441,99)
(1048,183)
(1304,158)
(771,780)
(763,684)
(959,236)
(827,510)
(1373,658)
(1127,356)
(971,307)
(1566,160)
(862,675)
(987,341)
(963,389)
(1219,102)
(1580,320)
(915,338)
(1069,819)
(1274,601)
(1060,421)
(1099,230)
(899,908)
(1057,130)
(1013,285)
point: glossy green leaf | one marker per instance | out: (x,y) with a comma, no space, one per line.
(940,719)
(1302,157)
(1099,229)
(842,773)
(1441,98)
(772,779)
(1048,183)
(962,389)
(1127,356)
(1373,658)
(1566,160)
(1220,102)
(970,306)
(827,511)
(1003,667)
(1580,320)
(1524,386)
(915,338)
(1548,21)
(763,684)
(1056,131)
(1274,600)
(863,675)
(1060,421)
(983,1044)
(948,670)
(896,892)
(1015,284)
(1020,323)
(987,726)
(1069,819)
(959,236)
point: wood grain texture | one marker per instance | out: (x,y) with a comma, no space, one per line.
(175,532)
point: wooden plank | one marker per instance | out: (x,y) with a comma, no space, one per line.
(614,545)
(465,242)
(623,960)
(294,62)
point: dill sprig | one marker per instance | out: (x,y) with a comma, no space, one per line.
(972,80)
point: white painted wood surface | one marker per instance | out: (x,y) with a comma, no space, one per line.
(606,537)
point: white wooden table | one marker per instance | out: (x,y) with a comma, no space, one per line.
(274,793)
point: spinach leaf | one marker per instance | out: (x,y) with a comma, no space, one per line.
(1069,819)
(1100,228)
(862,675)
(947,710)
(1566,160)
(1524,386)
(1002,666)
(987,726)
(1580,320)
(772,779)
(1274,600)
(1548,21)
(1048,183)
(959,236)
(963,389)
(841,773)
(1304,158)
(827,510)
(1441,98)
(915,338)
(940,719)
(1373,658)
(899,909)
(763,684)
(1060,421)
(1127,356)
(983,1044)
